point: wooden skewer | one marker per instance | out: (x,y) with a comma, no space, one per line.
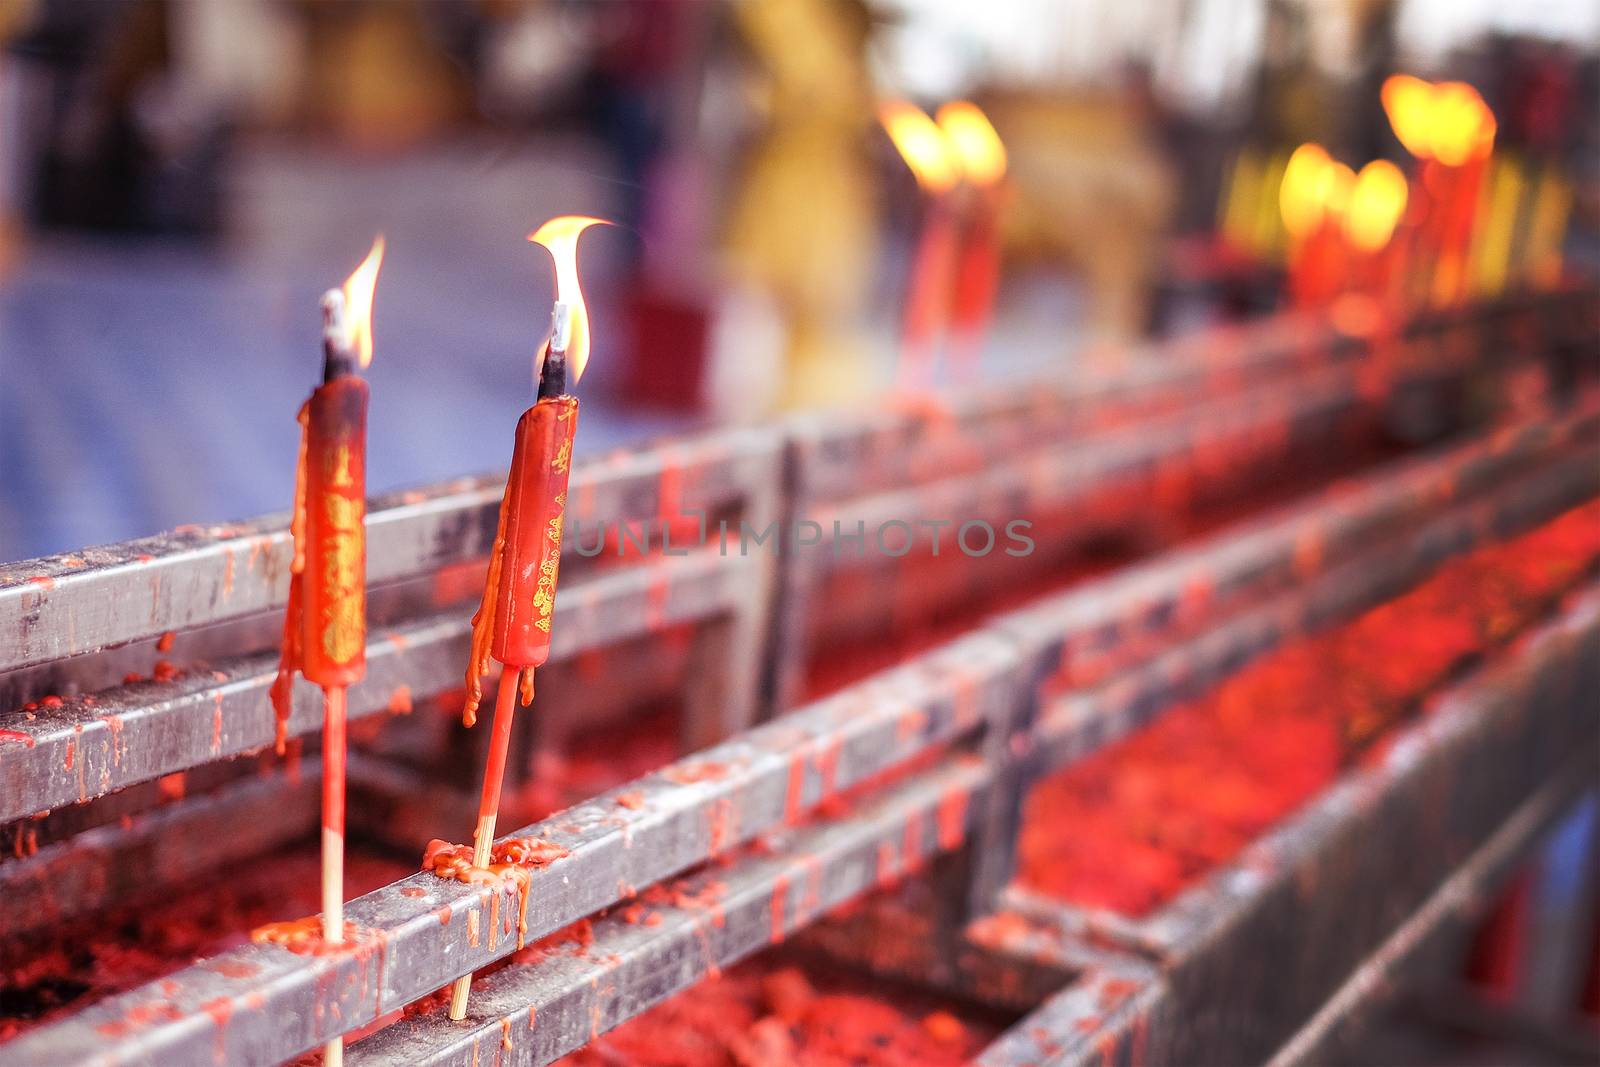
(333,750)
(494,772)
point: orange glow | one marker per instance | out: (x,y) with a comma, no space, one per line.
(1300,199)
(1447,121)
(1408,102)
(973,140)
(353,325)
(1356,315)
(921,144)
(559,236)
(1377,202)
(1463,125)
(1337,184)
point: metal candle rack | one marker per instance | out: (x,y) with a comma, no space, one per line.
(1100,661)
(956,732)
(1085,461)
(74,624)
(1283,927)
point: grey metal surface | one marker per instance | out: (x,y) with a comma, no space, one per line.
(1070,487)
(1282,926)
(532,1013)
(93,744)
(82,602)
(1116,1015)
(1448,913)
(1298,539)
(416,935)
(1089,624)
(134,858)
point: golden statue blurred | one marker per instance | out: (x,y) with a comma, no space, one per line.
(802,227)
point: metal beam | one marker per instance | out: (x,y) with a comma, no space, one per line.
(76,603)
(527,1015)
(92,745)
(420,933)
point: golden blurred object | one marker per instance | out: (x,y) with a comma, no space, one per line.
(1091,189)
(1447,121)
(1552,208)
(1377,203)
(804,216)
(1300,198)
(1408,102)
(377,80)
(973,141)
(922,144)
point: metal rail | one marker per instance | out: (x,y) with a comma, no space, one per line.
(420,933)
(975,696)
(1450,910)
(90,745)
(75,603)
(1438,791)
(533,1013)
(1070,489)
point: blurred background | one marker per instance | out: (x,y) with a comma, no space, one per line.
(179,181)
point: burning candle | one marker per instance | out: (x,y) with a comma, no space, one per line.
(982,157)
(926,151)
(325,627)
(1312,199)
(1451,130)
(513,622)
(1377,203)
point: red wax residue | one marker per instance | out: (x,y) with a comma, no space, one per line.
(51,974)
(770,1013)
(1132,825)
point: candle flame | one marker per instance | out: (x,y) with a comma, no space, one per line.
(1463,125)
(1300,194)
(1408,102)
(350,329)
(921,144)
(559,237)
(1447,121)
(974,142)
(1377,201)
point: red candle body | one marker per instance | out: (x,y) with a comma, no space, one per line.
(334,645)
(535,502)
(927,305)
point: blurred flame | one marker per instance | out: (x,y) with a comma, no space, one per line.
(1463,125)
(356,320)
(1317,188)
(1377,202)
(973,140)
(1337,185)
(1300,194)
(1447,121)
(559,236)
(921,144)
(1408,102)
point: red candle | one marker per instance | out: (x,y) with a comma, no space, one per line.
(1451,130)
(982,156)
(513,623)
(924,147)
(325,626)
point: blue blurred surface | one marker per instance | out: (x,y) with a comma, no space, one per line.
(145,384)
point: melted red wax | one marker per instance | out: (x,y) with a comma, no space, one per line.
(52,975)
(770,1013)
(923,625)
(1129,827)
